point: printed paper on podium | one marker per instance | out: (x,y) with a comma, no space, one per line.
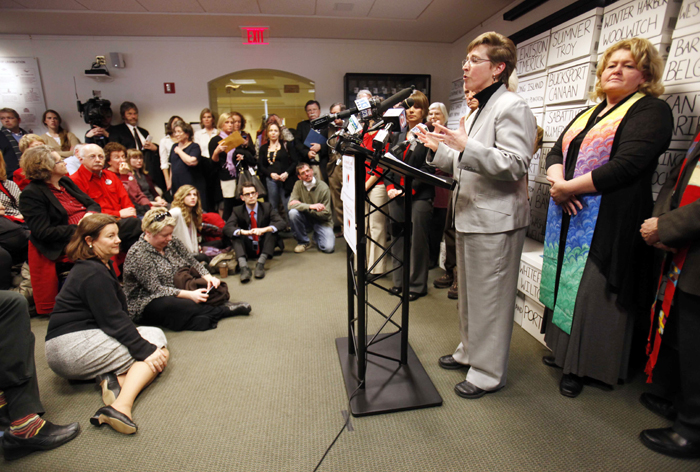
(349,228)
(348,193)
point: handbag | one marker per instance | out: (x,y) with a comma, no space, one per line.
(187,278)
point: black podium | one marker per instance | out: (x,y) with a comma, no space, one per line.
(382,373)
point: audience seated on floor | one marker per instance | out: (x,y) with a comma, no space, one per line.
(115,162)
(20,404)
(53,205)
(90,334)
(134,159)
(310,208)
(106,189)
(28,141)
(166,286)
(253,228)
(187,211)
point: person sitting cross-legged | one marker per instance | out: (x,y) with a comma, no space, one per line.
(253,228)
(310,207)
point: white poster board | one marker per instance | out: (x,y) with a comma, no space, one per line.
(570,82)
(532,54)
(21,90)
(683,63)
(557,117)
(576,38)
(685,106)
(532,89)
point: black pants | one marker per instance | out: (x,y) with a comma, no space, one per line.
(180,314)
(436,225)
(687,311)
(450,241)
(244,245)
(17,369)
(129,232)
(14,240)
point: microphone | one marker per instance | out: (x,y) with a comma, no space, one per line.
(408,103)
(394,100)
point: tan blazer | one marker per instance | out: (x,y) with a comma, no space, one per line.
(491,195)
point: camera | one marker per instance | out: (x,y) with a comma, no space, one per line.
(97,112)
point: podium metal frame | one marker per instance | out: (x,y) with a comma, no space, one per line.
(382,372)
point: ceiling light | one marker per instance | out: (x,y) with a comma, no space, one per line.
(252,91)
(243,81)
(312,90)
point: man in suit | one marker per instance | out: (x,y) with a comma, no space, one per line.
(253,228)
(10,134)
(132,136)
(316,155)
(489,155)
(675,228)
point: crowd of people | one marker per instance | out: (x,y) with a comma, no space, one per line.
(114,232)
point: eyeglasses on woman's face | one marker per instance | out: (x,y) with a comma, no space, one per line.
(473,61)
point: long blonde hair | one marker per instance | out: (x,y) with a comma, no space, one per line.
(191,215)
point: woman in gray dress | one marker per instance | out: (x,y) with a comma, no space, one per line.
(90,333)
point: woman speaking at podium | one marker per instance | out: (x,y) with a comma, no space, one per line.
(488,155)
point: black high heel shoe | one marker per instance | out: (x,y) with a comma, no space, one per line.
(110,387)
(117,420)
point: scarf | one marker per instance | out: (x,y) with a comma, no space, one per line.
(594,153)
(230,164)
(690,195)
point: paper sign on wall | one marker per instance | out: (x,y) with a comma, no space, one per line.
(21,90)
(532,54)
(576,38)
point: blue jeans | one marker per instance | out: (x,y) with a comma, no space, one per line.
(275,192)
(301,223)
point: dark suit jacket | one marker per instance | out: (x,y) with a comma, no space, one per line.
(680,226)
(121,134)
(8,152)
(46,217)
(267,216)
(302,132)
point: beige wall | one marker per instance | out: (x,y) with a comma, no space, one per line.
(192,62)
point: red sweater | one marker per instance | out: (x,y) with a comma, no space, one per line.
(106,189)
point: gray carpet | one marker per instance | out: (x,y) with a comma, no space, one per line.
(265,393)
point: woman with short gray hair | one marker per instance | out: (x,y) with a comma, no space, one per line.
(149,281)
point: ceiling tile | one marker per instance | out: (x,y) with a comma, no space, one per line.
(297,7)
(172,6)
(51,4)
(244,7)
(111,5)
(399,9)
(344,8)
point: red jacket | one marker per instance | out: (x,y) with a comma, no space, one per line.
(106,189)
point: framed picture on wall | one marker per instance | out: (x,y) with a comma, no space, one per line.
(383,85)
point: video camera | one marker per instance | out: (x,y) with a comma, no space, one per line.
(97,112)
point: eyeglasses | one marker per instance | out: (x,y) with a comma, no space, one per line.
(249,194)
(473,60)
(161,216)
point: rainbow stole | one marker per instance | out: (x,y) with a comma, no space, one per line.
(690,194)
(594,153)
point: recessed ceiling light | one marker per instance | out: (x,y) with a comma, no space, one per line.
(243,81)
(343,6)
(312,90)
(252,91)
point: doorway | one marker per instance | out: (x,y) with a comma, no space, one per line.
(253,91)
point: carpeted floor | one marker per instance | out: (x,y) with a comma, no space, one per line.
(265,393)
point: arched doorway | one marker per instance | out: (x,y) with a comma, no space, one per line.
(248,91)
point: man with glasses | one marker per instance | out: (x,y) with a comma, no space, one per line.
(253,229)
(105,188)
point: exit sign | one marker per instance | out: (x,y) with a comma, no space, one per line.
(254,34)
